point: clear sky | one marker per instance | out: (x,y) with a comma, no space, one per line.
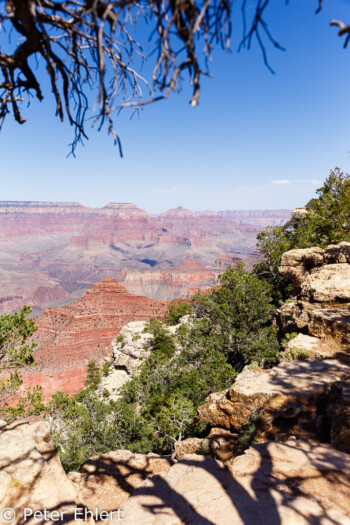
(256,140)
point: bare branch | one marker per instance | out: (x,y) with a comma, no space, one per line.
(87,45)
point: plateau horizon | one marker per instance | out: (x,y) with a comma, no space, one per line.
(59,207)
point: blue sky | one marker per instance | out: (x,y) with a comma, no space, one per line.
(256,140)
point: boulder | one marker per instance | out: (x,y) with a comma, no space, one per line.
(329,283)
(323,269)
(296,264)
(218,410)
(32,475)
(323,321)
(107,480)
(188,446)
(337,253)
(338,412)
(286,398)
(295,483)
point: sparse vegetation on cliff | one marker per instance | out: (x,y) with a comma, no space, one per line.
(15,352)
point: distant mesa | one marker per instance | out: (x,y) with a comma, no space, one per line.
(190,265)
(120,205)
(178,212)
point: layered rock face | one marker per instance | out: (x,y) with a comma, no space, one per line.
(308,397)
(69,336)
(182,281)
(51,253)
(321,280)
(287,397)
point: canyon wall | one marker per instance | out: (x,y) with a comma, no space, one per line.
(51,252)
(69,336)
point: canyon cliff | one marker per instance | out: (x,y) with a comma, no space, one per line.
(182,281)
(51,252)
(69,336)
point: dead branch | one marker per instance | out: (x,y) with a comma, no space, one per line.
(87,45)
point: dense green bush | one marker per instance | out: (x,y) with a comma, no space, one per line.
(175,311)
(328,217)
(235,318)
(15,352)
(327,221)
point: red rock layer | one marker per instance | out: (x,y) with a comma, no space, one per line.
(69,336)
(182,281)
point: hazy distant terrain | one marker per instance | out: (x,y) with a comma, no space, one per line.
(50,253)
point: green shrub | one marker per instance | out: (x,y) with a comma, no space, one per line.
(293,354)
(248,432)
(15,352)
(175,311)
(235,318)
(93,377)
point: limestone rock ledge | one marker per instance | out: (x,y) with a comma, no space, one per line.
(301,264)
(321,303)
(31,474)
(107,480)
(292,483)
(285,397)
(323,321)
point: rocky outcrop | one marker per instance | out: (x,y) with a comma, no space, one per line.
(287,483)
(302,267)
(131,348)
(285,397)
(330,283)
(70,336)
(32,477)
(106,481)
(321,280)
(291,398)
(296,264)
(323,321)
